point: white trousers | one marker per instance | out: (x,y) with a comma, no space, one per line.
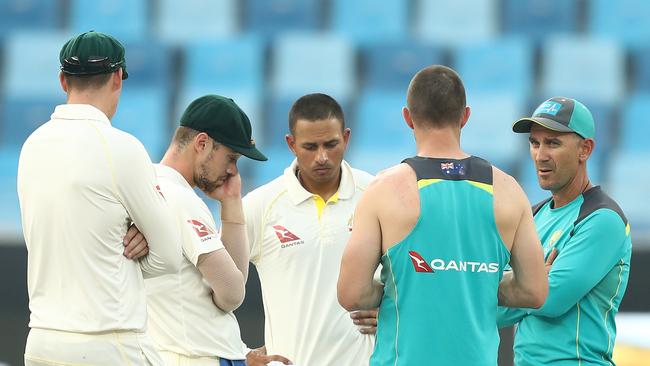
(46,347)
(175,359)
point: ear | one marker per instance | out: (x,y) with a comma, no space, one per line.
(585,149)
(291,142)
(117,79)
(465,117)
(407,117)
(201,142)
(346,137)
(64,84)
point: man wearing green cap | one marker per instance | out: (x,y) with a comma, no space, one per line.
(81,183)
(190,312)
(589,234)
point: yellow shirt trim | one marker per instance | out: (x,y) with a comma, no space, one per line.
(427,182)
(320,202)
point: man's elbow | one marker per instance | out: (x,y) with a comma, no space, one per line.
(348,298)
(537,296)
(231,300)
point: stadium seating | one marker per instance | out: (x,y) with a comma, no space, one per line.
(178,22)
(150,65)
(312,62)
(583,68)
(641,69)
(539,19)
(455,22)
(10,212)
(625,21)
(272,17)
(501,66)
(629,179)
(22,115)
(142,112)
(21,15)
(365,22)
(635,129)
(126,20)
(390,65)
(31,64)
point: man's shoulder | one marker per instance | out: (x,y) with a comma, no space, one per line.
(361,178)
(598,205)
(266,192)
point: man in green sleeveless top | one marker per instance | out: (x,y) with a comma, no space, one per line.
(443,224)
(591,237)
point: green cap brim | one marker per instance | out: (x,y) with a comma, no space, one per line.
(249,152)
(523,125)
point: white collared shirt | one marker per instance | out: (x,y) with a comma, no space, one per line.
(182,317)
(298,257)
(80,183)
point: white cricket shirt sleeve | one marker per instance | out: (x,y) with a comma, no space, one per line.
(136,187)
(202,236)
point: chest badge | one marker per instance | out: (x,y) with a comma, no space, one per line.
(286,237)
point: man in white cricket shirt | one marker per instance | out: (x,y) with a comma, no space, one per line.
(298,225)
(81,183)
(190,312)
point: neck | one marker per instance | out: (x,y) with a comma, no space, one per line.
(579,184)
(439,143)
(174,159)
(101,100)
(324,190)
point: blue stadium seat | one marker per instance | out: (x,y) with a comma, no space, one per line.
(143,113)
(391,65)
(31,64)
(641,69)
(455,22)
(277,122)
(178,22)
(123,19)
(10,222)
(149,65)
(272,17)
(380,138)
(305,63)
(606,125)
(626,21)
(21,15)
(229,64)
(488,133)
(635,129)
(501,66)
(583,68)
(279,159)
(22,115)
(629,180)
(537,19)
(366,22)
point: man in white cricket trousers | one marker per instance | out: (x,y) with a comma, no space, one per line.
(298,225)
(81,184)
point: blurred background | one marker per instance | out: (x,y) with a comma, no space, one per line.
(511,54)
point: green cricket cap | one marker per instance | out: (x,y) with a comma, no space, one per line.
(92,53)
(223,120)
(560,114)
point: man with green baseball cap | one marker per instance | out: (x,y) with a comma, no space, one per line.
(86,289)
(586,241)
(198,300)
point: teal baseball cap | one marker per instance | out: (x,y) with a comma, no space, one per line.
(223,120)
(560,114)
(92,53)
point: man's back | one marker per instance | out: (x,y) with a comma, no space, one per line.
(76,199)
(441,279)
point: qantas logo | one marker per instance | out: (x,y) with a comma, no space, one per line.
(437,264)
(419,264)
(200,228)
(286,237)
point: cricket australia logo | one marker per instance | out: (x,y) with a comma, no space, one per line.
(286,237)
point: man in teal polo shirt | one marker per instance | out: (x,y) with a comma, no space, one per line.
(591,237)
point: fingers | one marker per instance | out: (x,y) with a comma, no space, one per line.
(135,246)
(133,231)
(551,257)
(279,358)
(368,330)
(140,251)
(366,320)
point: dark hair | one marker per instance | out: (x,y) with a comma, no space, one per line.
(436,96)
(314,107)
(184,135)
(85,82)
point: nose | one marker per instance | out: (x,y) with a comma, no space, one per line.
(322,156)
(539,153)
